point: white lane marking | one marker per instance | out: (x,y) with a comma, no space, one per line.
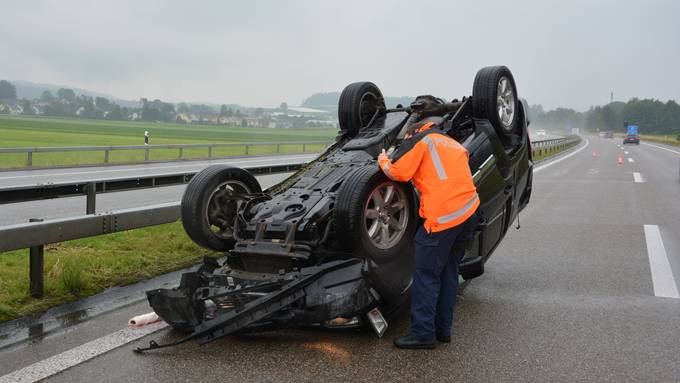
(661,147)
(234,162)
(625,152)
(662,275)
(631,160)
(637,177)
(539,168)
(77,355)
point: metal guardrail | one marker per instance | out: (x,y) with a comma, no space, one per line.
(90,188)
(546,147)
(37,232)
(106,150)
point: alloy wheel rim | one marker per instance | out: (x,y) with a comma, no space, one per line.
(505,102)
(386,215)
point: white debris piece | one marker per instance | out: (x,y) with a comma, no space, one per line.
(141,320)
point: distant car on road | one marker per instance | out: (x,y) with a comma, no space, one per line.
(540,133)
(631,139)
(631,135)
(608,134)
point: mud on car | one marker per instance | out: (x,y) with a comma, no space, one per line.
(331,245)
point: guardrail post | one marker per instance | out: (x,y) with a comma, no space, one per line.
(247,147)
(106,156)
(36,267)
(146,154)
(181,152)
(278,148)
(29,160)
(91,190)
(304,148)
(209,151)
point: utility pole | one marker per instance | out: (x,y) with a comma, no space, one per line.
(611,97)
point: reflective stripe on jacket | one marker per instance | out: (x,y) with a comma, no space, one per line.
(438,166)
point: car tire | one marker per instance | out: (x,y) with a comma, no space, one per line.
(357,213)
(490,92)
(359,103)
(207,220)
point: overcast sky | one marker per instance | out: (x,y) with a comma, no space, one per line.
(260,53)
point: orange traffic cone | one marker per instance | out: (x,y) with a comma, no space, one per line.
(594,153)
(620,159)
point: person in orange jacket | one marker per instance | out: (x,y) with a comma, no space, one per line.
(438,167)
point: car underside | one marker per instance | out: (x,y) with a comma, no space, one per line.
(331,245)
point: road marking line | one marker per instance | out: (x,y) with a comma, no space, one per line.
(77,355)
(637,177)
(539,168)
(661,147)
(631,160)
(662,275)
(152,168)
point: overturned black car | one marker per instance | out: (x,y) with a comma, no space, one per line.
(332,244)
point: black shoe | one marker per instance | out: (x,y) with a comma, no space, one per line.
(411,342)
(444,338)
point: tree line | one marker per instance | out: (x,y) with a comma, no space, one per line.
(652,116)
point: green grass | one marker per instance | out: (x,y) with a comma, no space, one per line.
(84,267)
(667,139)
(41,132)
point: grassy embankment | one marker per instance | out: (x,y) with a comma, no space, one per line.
(84,267)
(668,139)
(41,132)
(662,139)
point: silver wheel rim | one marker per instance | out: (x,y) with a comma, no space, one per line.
(386,215)
(221,207)
(505,102)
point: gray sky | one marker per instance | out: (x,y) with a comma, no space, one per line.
(562,53)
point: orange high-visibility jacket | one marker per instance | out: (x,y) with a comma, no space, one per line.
(438,166)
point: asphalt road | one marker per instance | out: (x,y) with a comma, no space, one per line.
(574,295)
(65,207)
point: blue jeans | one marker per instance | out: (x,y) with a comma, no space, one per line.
(435,280)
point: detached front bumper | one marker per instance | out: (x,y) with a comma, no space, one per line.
(213,302)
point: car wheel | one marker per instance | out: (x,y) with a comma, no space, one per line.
(494,97)
(209,204)
(375,217)
(359,103)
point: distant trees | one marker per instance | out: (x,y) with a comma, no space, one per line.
(26,108)
(102,103)
(47,96)
(66,94)
(7,90)
(157,110)
(652,116)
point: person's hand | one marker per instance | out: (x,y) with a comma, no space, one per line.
(382,156)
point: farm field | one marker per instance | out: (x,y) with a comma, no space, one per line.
(55,132)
